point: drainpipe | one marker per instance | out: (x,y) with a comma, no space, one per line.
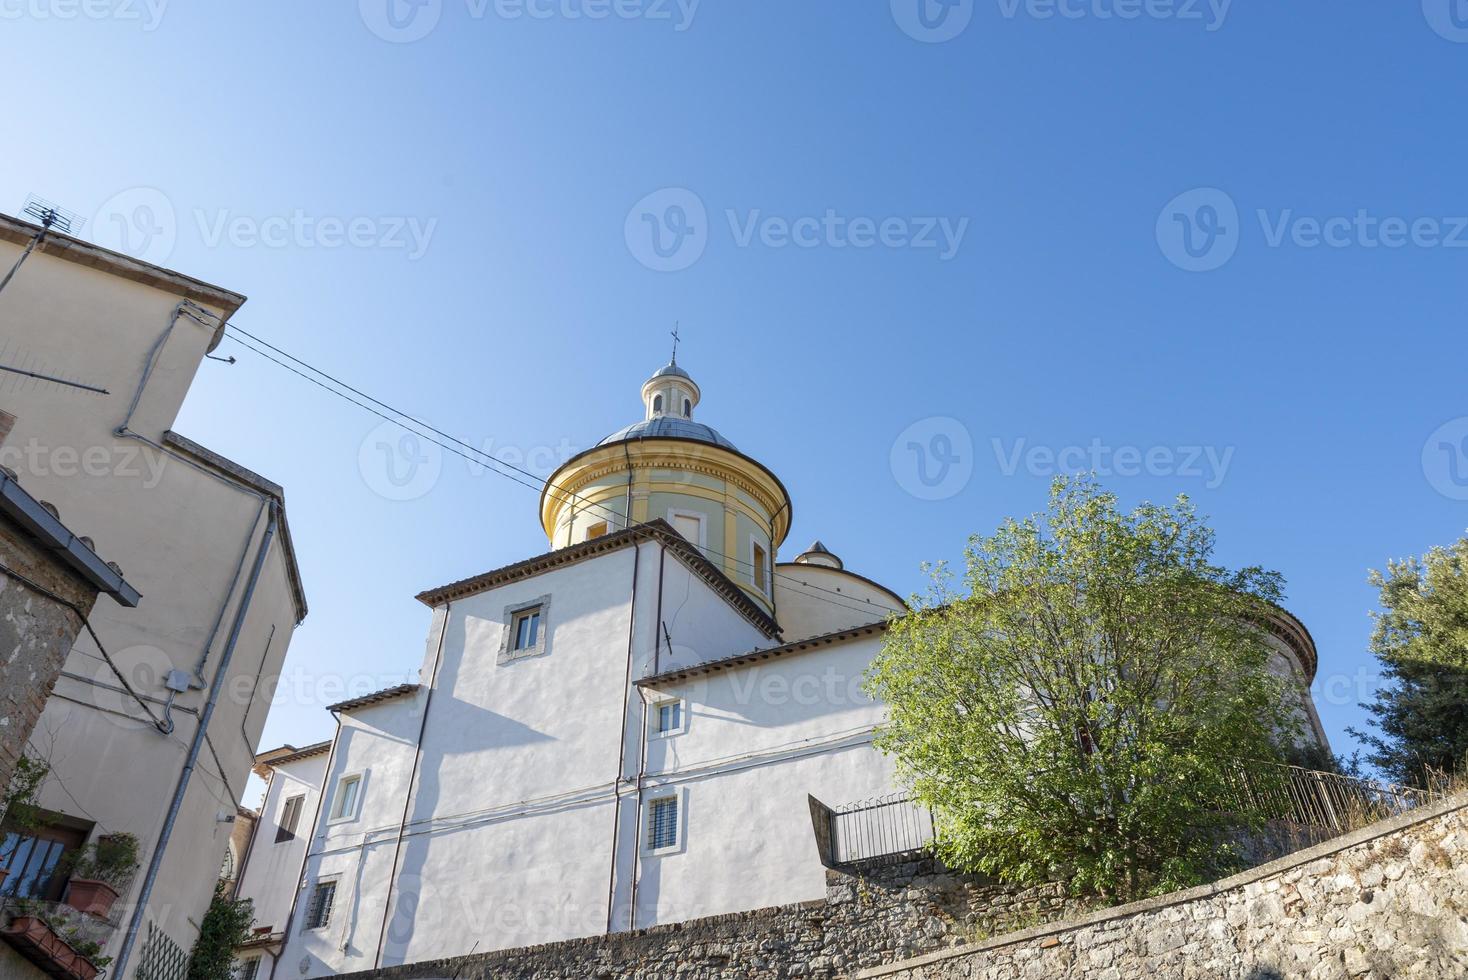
(622,734)
(657,650)
(397,851)
(290,917)
(155,863)
(35,240)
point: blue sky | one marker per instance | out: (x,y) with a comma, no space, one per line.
(1022,242)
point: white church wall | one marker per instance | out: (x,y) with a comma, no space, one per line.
(813,600)
(758,740)
(273,868)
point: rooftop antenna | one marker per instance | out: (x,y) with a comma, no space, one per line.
(53,216)
(676,338)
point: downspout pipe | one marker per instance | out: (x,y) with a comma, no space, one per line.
(155,863)
(290,917)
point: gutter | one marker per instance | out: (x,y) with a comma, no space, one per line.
(155,863)
(68,549)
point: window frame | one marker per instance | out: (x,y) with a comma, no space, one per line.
(655,719)
(598,530)
(513,614)
(696,515)
(335,817)
(759,566)
(311,906)
(679,797)
(284,834)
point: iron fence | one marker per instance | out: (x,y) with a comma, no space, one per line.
(1319,799)
(893,828)
(888,827)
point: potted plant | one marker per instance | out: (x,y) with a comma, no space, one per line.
(99,873)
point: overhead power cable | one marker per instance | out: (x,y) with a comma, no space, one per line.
(459,447)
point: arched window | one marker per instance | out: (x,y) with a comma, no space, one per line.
(657,405)
(687,408)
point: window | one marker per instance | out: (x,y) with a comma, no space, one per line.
(526,630)
(248,969)
(689,524)
(290,819)
(31,858)
(657,404)
(597,530)
(662,824)
(667,719)
(318,912)
(687,408)
(761,575)
(348,795)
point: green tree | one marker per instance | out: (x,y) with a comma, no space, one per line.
(225,926)
(1421,640)
(1076,710)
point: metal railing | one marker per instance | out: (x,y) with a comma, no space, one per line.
(888,827)
(893,828)
(1319,799)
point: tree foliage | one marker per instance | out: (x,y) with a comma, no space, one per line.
(225,926)
(1421,640)
(1075,707)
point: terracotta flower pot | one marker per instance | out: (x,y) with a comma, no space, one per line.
(40,944)
(91,897)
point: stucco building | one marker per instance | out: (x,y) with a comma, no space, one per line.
(622,732)
(152,726)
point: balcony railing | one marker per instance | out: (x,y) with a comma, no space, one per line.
(893,828)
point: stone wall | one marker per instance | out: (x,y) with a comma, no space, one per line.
(877,915)
(1385,902)
(36,633)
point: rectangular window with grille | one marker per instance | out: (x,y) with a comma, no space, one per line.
(318,912)
(662,824)
(249,969)
(290,819)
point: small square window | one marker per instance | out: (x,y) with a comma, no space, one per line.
(667,719)
(526,630)
(348,796)
(761,573)
(597,530)
(318,912)
(662,824)
(290,819)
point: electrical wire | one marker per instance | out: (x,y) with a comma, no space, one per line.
(482,458)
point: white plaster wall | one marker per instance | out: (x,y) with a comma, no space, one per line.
(178,534)
(813,600)
(274,868)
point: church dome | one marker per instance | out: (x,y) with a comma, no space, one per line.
(667,427)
